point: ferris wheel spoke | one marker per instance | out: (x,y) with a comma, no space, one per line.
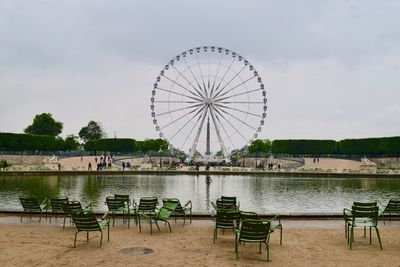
(222,89)
(189,120)
(236,118)
(223,77)
(233,127)
(184,77)
(180,85)
(223,128)
(201,74)
(194,76)
(221,142)
(179,109)
(236,86)
(239,110)
(175,101)
(196,139)
(175,93)
(179,118)
(194,126)
(241,102)
(242,93)
(216,74)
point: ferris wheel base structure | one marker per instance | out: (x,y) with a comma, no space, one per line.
(206,159)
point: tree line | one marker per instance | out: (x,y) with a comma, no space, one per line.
(362,146)
(43,136)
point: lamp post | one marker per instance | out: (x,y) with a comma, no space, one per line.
(160,151)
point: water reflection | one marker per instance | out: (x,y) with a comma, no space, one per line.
(282,195)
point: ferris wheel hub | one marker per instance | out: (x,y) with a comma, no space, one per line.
(208,101)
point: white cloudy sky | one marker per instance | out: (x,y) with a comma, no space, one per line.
(331,68)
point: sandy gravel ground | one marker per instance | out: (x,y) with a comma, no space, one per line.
(306,243)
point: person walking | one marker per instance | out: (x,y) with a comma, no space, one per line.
(123,166)
(89,167)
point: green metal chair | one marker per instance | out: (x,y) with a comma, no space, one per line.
(85,221)
(392,208)
(364,216)
(31,205)
(129,207)
(274,222)
(163,215)
(226,219)
(73,206)
(146,208)
(117,206)
(253,231)
(348,216)
(181,210)
(56,205)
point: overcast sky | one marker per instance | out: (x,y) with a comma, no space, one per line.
(331,68)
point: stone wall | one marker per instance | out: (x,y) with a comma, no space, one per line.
(387,163)
(23,159)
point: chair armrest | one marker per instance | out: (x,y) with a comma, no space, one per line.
(88,207)
(45,204)
(189,203)
(275,218)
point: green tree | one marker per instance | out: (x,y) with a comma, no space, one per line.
(260,146)
(71,143)
(44,124)
(92,132)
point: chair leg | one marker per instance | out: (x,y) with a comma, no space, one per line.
(140,226)
(87,236)
(379,237)
(108,232)
(280,238)
(351,237)
(259,249)
(75,239)
(101,238)
(267,250)
(237,249)
(184,219)
(169,227)
(370,242)
(215,234)
(365,231)
(158,226)
(22,214)
(151,228)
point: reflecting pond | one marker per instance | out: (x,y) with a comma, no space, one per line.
(283,195)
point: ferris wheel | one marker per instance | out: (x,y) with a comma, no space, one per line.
(208,99)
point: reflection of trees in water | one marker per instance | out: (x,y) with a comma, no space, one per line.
(12,187)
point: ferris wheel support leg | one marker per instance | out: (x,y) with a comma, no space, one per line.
(221,142)
(196,139)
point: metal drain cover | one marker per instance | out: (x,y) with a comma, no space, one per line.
(136,251)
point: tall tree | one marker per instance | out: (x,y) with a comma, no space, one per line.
(44,124)
(260,146)
(92,132)
(71,143)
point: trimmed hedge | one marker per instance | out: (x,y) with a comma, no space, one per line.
(28,142)
(126,145)
(364,146)
(304,146)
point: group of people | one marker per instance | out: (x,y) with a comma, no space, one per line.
(102,163)
(315,160)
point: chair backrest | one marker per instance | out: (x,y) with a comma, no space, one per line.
(114,204)
(392,206)
(254,230)
(227,219)
(147,204)
(179,208)
(30,203)
(58,203)
(124,198)
(72,206)
(365,204)
(248,215)
(85,221)
(167,209)
(226,202)
(370,212)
